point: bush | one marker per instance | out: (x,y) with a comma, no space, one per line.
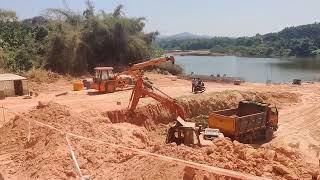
(173,69)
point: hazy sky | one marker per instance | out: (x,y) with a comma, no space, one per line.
(210,17)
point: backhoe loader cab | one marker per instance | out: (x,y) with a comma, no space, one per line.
(104,79)
(104,73)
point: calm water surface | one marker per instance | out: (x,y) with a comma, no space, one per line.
(253,69)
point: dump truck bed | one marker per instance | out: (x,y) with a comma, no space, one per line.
(235,122)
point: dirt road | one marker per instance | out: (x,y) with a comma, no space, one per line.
(300,124)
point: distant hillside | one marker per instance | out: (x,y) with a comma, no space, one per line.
(301,40)
(184,35)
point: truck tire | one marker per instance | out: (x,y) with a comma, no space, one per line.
(269,134)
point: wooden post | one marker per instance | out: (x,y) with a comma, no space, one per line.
(73,156)
(4,118)
(29,132)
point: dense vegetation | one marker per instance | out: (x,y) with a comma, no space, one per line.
(68,42)
(294,41)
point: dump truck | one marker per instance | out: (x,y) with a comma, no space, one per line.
(249,122)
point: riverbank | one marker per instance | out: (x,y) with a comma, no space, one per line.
(208,52)
(276,70)
(194,53)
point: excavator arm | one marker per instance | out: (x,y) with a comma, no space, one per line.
(133,68)
(151,62)
(143,88)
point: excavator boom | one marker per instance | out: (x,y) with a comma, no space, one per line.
(143,88)
(151,62)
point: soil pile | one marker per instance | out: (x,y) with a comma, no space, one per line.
(202,105)
(46,154)
(274,161)
(42,76)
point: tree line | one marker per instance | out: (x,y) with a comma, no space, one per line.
(292,41)
(65,41)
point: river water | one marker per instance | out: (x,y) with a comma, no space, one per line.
(253,69)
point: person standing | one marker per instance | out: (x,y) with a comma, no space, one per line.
(193,84)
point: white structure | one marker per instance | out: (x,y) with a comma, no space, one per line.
(13,85)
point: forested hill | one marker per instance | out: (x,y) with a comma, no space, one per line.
(293,41)
(73,42)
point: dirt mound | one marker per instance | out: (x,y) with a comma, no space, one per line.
(230,99)
(194,106)
(41,80)
(46,155)
(275,161)
(42,76)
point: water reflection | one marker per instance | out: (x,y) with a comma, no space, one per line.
(311,63)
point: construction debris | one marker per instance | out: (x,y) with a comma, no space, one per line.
(61,94)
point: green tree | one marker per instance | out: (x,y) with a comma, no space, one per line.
(79,42)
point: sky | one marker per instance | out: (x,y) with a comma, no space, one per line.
(232,18)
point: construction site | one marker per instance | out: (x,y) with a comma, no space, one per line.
(154,127)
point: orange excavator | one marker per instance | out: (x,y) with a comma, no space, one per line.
(181,132)
(177,133)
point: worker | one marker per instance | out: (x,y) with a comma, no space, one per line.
(194,84)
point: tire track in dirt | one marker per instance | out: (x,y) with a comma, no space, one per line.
(300,126)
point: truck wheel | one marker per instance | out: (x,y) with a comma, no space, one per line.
(204,89)
(269,134)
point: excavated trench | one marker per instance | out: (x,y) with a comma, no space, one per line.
(195,106)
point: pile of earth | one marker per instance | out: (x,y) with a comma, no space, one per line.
(46,155)
(275,161)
